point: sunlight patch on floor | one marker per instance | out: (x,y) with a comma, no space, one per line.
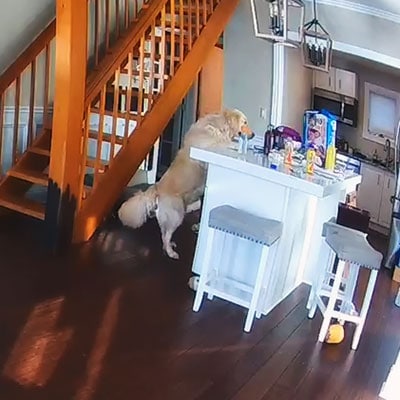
(39,346)
(102,342)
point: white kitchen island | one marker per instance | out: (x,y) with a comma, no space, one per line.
(302,202)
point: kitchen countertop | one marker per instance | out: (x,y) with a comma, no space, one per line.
(368,161)
(320,184)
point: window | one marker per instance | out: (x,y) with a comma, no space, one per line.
(381,113)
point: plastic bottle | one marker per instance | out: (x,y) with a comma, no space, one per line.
(269,139)
(310,160)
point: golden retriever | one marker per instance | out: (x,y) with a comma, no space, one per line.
(183,183)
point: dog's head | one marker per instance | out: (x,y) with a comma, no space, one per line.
(238,124)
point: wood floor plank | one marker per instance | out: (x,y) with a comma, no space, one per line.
(113,320)
(231,380)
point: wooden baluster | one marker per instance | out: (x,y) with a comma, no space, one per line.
(136,9)
(128,98)
(115,113)
(190,28)
(197,18)
(204,12)
(141,79)
(46,121)
(83,190)
(107,26)
(117,21)
(32,102)
(152,63)
(96,32)
(100,133)
(15,152)
(127,14)
(1,131)
(172,42)
(181,33)
(162,51)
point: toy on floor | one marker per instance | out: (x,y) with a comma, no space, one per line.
(335,334)
(193,282)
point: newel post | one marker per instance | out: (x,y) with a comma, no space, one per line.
(70,83)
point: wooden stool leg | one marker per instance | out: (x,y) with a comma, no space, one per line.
(332,301)
(364,309)
(205,270)
(257,289)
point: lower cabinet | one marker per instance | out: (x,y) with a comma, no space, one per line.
(374,193)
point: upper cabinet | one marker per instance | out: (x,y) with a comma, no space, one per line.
(338,81)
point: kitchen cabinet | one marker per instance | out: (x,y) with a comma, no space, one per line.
(385,210)
(346,83)
(325,80)
(370,191)
(337,80)
(374,193)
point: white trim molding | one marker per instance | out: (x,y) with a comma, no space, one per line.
(361,8)
(278,73)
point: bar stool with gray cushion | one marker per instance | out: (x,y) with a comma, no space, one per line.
(232,221)
(338,284)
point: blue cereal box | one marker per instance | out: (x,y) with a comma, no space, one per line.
(319,131)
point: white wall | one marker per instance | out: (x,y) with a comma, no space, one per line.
(247,69)
(20,22)
(377,75)
(297,90)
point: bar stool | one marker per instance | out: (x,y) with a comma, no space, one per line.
(338,283)
(241,224)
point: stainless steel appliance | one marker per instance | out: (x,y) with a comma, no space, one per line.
(393,252)
(344,108)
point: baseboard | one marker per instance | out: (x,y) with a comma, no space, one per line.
(380,229)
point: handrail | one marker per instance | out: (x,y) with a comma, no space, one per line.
(26,57)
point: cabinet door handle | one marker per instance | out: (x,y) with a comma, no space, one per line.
(330,81)
(340,83)
(379,179)
(388,184)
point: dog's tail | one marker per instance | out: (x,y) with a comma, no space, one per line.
(135,211)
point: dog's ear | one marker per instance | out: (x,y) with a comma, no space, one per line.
(232,117)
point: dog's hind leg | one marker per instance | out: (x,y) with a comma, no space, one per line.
(170,214)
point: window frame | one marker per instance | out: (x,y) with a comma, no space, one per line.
(368,88)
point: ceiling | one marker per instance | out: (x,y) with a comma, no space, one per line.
(392,6)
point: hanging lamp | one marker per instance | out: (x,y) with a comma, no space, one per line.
(317,44)
(271,19)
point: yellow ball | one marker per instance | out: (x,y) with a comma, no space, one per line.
(335,334)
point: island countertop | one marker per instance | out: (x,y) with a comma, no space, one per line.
(320,184)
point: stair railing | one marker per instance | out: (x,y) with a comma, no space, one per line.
(118,98)
(26,98)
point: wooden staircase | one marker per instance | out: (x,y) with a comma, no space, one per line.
(159,49)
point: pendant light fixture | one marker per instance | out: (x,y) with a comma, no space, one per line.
(317,44)
(271,19)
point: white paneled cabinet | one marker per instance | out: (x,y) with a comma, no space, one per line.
(337,80)
(346,82)
(385,211)
(374,193)
(325,80)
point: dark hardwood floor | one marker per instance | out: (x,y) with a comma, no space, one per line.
(112,320)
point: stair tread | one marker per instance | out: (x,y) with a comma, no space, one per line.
(39,150)
(22,205)
(29,175)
